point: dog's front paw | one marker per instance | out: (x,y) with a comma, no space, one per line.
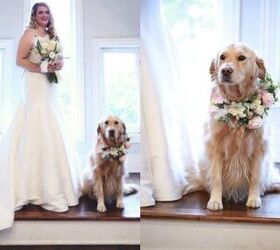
(101,207)
(120,204)
(254,202)
(215,205)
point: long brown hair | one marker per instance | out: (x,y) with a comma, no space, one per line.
(50,29)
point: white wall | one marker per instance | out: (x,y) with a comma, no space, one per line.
(105,19)
(11,28)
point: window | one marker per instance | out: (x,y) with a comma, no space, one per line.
(71,85)
(194,26)
(116,63)
(116,87)
(6,63)
(121,95)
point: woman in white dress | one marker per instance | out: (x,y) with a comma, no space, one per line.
(37,164)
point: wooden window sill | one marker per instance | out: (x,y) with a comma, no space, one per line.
(193,207)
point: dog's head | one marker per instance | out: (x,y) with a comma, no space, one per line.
(235,64)
(112,128)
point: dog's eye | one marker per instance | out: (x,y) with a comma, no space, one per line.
(106,122)
(116,122)
(241,58)
(222,57)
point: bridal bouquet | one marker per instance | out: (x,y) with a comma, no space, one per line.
(50,52)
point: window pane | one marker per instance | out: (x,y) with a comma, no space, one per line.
(121,94)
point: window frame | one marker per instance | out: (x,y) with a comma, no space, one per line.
(111,44)
(98,44)
(6,81)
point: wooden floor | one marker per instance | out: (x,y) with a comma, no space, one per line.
(193,207)
(86,210)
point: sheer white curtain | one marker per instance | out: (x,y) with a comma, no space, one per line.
(165,98)
(164,110)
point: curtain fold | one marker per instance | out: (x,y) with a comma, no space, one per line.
(164,111)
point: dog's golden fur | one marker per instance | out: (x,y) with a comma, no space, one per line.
(236,163)
(104,178)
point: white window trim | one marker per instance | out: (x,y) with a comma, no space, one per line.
(6,82)
(230,20)
(77,7)
(98,44)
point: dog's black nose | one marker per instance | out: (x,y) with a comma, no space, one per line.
(111,132)
(227,71)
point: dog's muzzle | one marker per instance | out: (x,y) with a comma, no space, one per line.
(111,133)
(226,73)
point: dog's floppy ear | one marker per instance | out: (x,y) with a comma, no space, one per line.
(124,128)
(261,67)
(212,69)
(99,128)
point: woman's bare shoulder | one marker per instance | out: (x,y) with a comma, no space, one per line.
(29,33)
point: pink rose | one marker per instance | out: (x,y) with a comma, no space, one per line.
(267,99)
(255,122)
(122,158)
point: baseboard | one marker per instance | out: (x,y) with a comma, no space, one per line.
(193,235)
(72,233)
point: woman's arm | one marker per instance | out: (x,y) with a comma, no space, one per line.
(24,48)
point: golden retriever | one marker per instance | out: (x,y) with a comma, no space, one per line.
(236,163)
(104,177)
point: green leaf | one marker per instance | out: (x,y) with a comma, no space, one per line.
(52,77)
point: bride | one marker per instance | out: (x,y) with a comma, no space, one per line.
(37,164)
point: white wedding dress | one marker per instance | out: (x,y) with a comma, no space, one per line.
(37,163)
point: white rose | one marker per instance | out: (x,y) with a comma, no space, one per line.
(260,110)
(44,45)
(52,55)
(44,51)
(51,45)
(237,109)
(114,152)
(256,103)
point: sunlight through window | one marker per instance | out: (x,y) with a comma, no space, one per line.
(121,92)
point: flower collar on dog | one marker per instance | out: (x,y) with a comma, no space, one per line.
(112,153)
(250,112)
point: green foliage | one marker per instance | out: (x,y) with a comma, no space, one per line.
(121,93)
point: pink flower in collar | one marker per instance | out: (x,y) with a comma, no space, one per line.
(255,122)
(267,99)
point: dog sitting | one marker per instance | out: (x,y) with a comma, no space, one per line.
(104,177)
(236,164)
